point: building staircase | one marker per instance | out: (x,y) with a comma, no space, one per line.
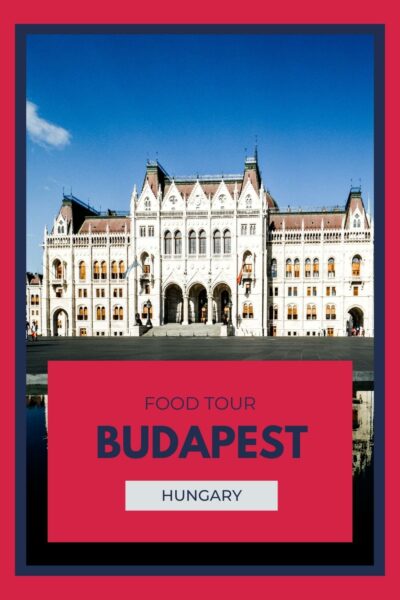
(178,330)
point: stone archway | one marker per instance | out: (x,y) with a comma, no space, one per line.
(355,321)
(173,306)
(222,295)
(60,322)
(198,304)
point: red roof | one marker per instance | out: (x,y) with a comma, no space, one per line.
(100,225)
(311,221)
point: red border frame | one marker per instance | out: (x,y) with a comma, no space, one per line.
(208,12)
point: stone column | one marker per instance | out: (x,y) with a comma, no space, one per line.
(185,310)
(210,301)
(162,310)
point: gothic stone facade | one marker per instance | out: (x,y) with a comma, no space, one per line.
(209,249)
(33,305)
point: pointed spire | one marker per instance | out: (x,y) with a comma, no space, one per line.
(235,192)
(261,190)
(133,199)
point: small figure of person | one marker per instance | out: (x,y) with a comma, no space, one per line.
(33,331)
(27,327)
(138,320)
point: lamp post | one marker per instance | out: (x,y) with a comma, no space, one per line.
(230,312)
(148,322)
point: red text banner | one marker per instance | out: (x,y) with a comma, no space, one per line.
(200,451)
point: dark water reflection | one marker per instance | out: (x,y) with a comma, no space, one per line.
(359,552)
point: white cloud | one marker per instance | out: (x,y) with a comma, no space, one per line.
(42,132)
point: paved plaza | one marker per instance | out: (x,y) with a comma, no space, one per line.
(357,349)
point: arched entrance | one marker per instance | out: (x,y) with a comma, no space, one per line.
(222,296)
(60,322)
(355,321)
(173,307)
(198,304)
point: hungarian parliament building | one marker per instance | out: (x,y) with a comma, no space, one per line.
(214,250)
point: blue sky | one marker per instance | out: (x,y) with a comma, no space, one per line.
(101,105)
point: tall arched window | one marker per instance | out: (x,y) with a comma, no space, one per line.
(192,242)
(178,243)
(146,267)
(296,267)
(167,242)
(82,270)
(121,269)
(331,267)
(307,267)
(357,221)
(103,269)
(227,241)
(82,313)
(118,313)
(273,312)
(248,311)
(274,268)
(289,267)
(57,269)
(292,312)
(247,262)
(202,242)
(315,267)
(356,266)
(145,310)
(330,311)
(114,270)
(96,270)
(217,242)
(311,313)
(100,313)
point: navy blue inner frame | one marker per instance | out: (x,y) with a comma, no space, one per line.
(219,558)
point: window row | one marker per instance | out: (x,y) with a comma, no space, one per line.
(100,312)
(311,268)
(101,293)
(197,243)
(311,312)
(293,267)
(248,312)
(246,228)
(310,291)
(100,270)
(149,231)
